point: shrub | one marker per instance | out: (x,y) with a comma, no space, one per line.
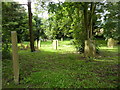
(6,53)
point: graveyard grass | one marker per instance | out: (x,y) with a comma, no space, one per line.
(64,68)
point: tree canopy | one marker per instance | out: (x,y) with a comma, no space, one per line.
(75,20)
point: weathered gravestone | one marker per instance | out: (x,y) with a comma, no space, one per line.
(55,44)
(15,57)
(89,49)
(37,44)
(111,43)
(61,39)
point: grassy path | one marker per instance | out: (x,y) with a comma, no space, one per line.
(63,68)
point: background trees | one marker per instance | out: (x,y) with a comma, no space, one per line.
(38,29)
(110,26)
(14,18)
(75,20)
(81,20)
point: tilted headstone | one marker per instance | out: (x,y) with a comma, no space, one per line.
(86,48)
(111,43)
(55,44)
(89,49)
(15,57)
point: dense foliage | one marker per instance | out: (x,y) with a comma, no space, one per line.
(81,20)
(111,24)
(75,20)
(14,18)
(64,67)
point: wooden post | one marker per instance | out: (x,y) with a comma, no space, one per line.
(15,57)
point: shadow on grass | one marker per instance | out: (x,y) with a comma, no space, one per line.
(52,69)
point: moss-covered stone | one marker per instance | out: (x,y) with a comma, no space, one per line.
(111,43)
(89,49)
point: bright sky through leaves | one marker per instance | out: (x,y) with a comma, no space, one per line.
(45,14)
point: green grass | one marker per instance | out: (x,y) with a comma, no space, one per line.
(63,68)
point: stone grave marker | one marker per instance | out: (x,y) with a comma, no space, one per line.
(89,49)
(111,43)
(55,44)
(61,39)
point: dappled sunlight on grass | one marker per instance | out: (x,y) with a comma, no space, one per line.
(104,60)
(63,47)
(108,54)
(109,49)
(49,68)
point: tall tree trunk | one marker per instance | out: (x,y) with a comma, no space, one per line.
(86,19)
(92,9)
(30,27)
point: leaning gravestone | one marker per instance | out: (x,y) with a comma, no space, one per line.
(15,57)
(89,49)
(55,44)
(111,43)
